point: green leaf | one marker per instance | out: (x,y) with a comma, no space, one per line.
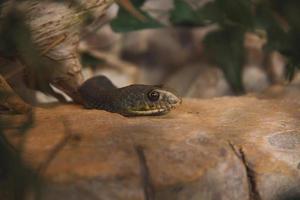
(125,22)
(91,61)
(210,12)
(290,71)
(225,48)
(237,12)
(137,3)
(264,19)
(184,15)
(288,10)
(292,53)
(287,43)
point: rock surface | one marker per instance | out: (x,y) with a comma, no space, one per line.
(224,148)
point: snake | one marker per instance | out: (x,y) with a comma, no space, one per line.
(55,29)
(133,100)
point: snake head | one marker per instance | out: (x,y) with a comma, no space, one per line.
(139,100)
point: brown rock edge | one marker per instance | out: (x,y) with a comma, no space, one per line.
(224,148)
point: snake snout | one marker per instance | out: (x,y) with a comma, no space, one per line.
(161,101)
(174,100)
(169,98)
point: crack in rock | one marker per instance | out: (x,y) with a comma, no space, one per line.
(250,173)
(149,191)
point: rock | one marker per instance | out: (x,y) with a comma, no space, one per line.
(276,64)
(199,80)
(159,10)
(255,79)
(155,47)
(222,148)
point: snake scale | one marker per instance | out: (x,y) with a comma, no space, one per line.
(133,100)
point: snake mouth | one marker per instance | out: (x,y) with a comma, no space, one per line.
(149,112)
(159,109)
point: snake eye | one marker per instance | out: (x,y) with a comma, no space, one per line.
(153,95)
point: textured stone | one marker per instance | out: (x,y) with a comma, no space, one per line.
(224,148)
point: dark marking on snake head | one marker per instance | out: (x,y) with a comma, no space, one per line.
(285,140)
(298,166)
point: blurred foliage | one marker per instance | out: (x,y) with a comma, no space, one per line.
(125,21)
(16,42)
(90,61)
(184,15)
(278,19)
(17,179)
(225,48)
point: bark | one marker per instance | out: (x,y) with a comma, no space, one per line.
(55,30)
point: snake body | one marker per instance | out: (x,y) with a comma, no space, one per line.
(133,100)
